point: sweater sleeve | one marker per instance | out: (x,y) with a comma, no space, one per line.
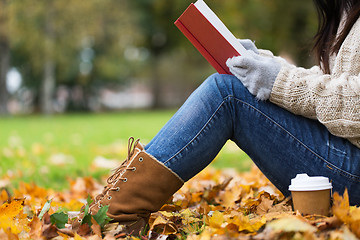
(334,100)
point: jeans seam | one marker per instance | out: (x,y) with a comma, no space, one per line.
(341,171)
(205,125)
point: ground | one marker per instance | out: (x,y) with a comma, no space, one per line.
(51,165)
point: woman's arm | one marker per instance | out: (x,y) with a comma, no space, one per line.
(333,99)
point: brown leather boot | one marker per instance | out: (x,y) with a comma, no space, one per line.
(140,186)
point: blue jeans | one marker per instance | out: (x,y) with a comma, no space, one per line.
(280,143)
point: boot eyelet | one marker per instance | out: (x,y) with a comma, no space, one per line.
(134,169)
(117,189)
(125,180)
(141,159)
(109,198)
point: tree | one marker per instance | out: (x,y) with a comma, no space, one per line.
(50,36)
(155,21)
(4,55)
(84,44)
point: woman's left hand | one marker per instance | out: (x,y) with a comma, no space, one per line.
(256,72)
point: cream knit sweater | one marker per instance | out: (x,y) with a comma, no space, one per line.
(333,99)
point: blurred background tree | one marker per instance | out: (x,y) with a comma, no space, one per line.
(4,54)
(98,55)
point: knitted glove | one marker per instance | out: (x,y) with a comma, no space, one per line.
(257,73)
(249,45)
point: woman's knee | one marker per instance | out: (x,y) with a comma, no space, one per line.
(226,85)
(220,79)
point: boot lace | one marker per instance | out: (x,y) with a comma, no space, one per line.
(117,174)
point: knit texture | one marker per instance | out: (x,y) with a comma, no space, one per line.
(333,99)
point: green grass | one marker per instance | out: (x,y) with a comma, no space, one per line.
(49,150)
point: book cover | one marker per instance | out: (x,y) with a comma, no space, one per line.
(209,35)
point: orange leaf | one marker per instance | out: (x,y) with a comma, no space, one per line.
(35,228)
(341,207)
(9,212)
(4,196)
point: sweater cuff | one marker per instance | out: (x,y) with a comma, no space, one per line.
(280,87)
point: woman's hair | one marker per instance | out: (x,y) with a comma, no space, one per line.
(327,41)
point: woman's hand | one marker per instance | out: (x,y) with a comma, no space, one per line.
(257,73)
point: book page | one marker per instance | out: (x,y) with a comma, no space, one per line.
(219,25)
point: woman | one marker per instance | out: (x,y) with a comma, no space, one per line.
(308,121)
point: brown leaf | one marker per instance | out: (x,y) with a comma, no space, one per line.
(49,231)
(170,208)
(327,223)
(46,219)
(264,206)
(3,234)
(163,226)
(66,231)
(84,230)
(95,227)
(229,197)
(284,206)
(35,228)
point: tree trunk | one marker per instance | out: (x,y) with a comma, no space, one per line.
(4,59)
(156,83)
(48,81)
(48,87)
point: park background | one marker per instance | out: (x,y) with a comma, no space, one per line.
(77,78)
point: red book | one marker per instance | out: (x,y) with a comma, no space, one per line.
(209,35)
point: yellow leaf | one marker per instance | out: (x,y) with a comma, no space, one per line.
(291,224)
(244,223)
(8,215)
(64,236)
(347,214)
(187,217)
(355,213)
(72,205)
(216,219)
(77,237)
(341,207)
(167,214)
(167,227)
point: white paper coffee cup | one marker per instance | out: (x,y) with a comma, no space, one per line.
(311,195)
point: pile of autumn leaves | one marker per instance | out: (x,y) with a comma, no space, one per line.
(214,205)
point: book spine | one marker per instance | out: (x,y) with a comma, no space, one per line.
(201,48)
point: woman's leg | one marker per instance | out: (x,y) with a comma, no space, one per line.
(280,143)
